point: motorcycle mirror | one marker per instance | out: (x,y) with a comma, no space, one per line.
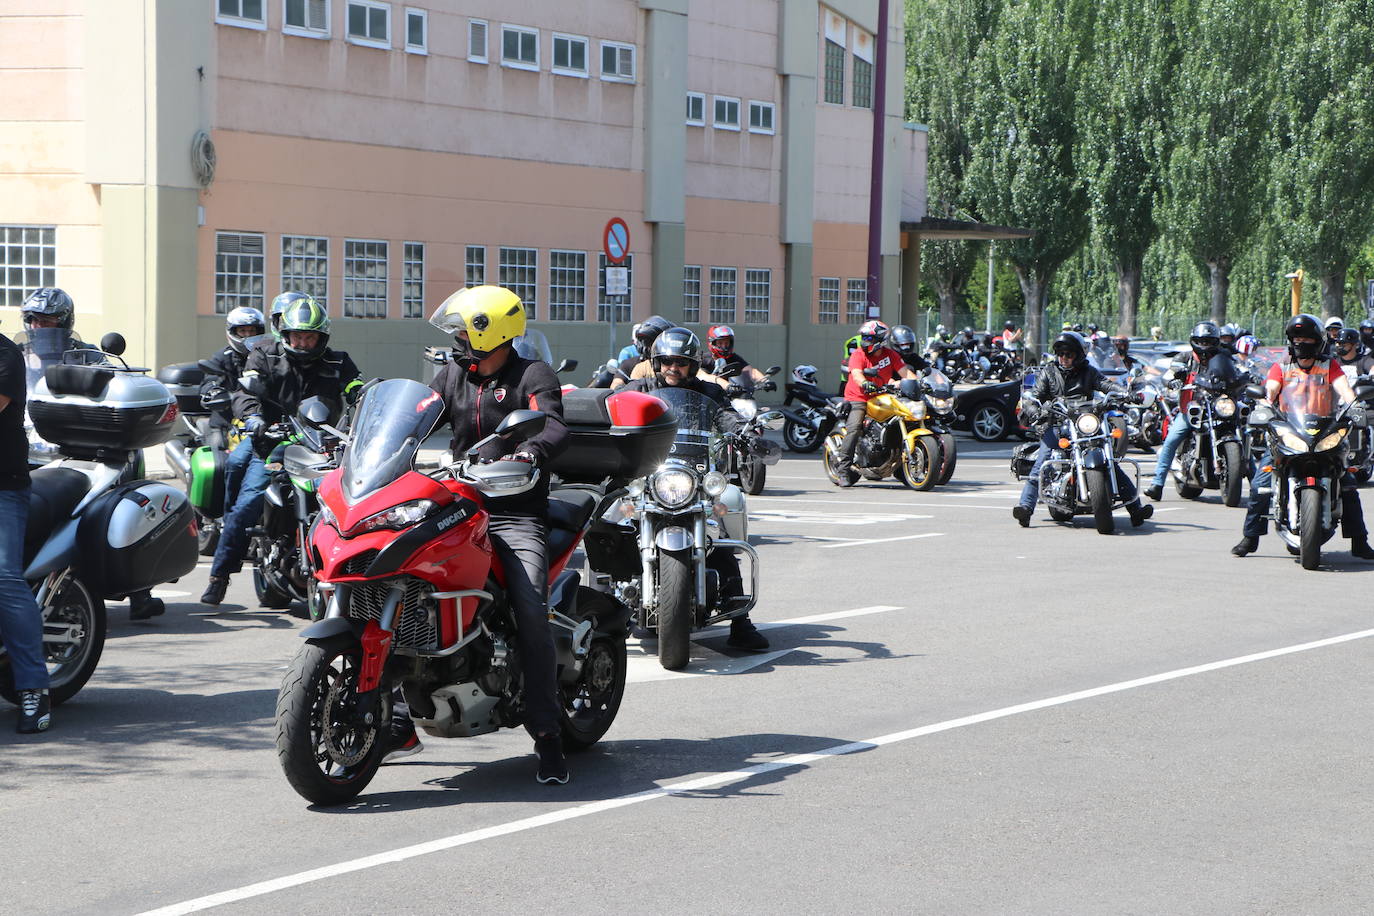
(773,370)
(567,365)
(612,365)
(439,356)
(314,412)
(521,424)
(1254,391)
(113,343)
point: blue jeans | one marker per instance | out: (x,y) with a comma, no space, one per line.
(1257,510)
(245,482)
(1178,429)
(21,622)
(1030,493)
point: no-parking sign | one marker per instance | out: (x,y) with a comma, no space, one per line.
(615,241)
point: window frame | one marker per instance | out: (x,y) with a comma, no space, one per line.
(420,49)
(696,97)
(385,261)
(826,45)
(697,295)
(617,76)
(579,308)
(520,64)
(469,264)
(255,301)
(855,82)
(485,58)
(259,25)
(772,110)
(824,315)
(851,286)
(305,31)
(47,273)
(532,302)
(368,41)
(711,314)
(751,278)
(286,237)
(586,72)
(715,120)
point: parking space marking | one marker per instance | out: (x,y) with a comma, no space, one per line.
(816,518)
(905,537)
(875,503)
(716,780)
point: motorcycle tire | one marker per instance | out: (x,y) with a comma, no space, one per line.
(74,605)
(1363,474)
(800,438)
(207,535)
(1100,499)
(1310,527)
(328,761)
(1186,490)
(1232,473)
(752,475)
(269,596)
(588,707)
(675,590)
(1060,515)
(920,469)
(949,457)
(828,458)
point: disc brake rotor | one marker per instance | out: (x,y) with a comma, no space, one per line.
(346,745)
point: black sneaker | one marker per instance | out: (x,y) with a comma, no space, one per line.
(1022,514)
(744,635)
(1246,546)
(1155,492)
(35,712)
(1139,513)
(405,742)
(1360,548)
(143,606)
(214,592)
(847,478)
(552,768)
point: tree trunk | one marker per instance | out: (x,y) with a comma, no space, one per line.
(1035,291)
(1127,294)
(948,298)
(1333,294)
(1220,273)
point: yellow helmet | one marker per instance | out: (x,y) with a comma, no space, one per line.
(492,315)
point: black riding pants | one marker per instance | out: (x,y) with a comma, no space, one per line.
(522,547)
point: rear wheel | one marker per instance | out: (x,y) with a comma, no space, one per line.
(674,608)
(73,640)
(989,422)
(752,474)
(1310,527)
(1100,499)
(1232,474)
(329,748)
(269,595)
(949,456)
(919,468)
(207,534)
(801,438)
(588,707)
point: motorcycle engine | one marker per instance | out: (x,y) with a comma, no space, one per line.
(870,449)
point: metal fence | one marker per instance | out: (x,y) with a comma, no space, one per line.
(1267,327)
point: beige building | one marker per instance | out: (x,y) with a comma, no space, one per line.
(168,160)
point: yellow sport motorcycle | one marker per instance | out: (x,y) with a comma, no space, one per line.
(895,440)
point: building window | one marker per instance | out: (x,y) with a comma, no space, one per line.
(413,280)
(308,18)
(305,266)
(856,302)
(364,285)
(617,62)
(863,83)
(760,117)
(828,301)
(696,109)
(758,296)
(834,73)
(691,294)
(519,47)
(519,272)
(475,266)
(417,31)
(477,41)
(724,291)
(246,14)
(567,285)
(727,113)
(369,23)
(570,55)
(239,267)
(28,261)
(620,305)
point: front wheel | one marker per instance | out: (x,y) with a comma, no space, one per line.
(752,474)
(73,640)
(675,591)
(919,468)
(830,457)
(1100,499)
(1310,527)
(207,534)
(949,457)
(328,746)
(1232,474)
(269,596)
(801,438)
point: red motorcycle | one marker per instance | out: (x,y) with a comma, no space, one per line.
(415,598)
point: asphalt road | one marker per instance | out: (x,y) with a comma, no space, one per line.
(959,715)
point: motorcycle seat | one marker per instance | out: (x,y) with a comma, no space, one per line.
(569,512)
(54,494)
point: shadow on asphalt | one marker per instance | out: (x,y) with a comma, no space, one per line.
(191,619)
(797,638)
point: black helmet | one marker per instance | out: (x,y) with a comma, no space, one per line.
(647,331)
(1071,342)
(49,302)
(1367,327)
(1229,330)
(1348,335)
(1205,340)
(1009,325)
(903,340)
(677,342)
(1305,326)
(1078,328)
(1092,329)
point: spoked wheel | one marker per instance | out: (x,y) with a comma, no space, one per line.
(73,640)
(1100,499)
(588,707)
(675,592)
(1310,527)
(329,746)
(919,468)
(830,456)
(801,438)
(949,457)
(752,474)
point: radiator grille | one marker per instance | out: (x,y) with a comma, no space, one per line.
(417,625)
(357,565)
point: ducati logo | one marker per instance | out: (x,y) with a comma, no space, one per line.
(500,395)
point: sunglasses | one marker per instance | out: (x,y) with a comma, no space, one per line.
(674,362)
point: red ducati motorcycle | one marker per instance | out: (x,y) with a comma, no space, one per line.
(415,598)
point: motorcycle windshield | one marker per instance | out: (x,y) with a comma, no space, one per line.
(1307,400)
(392,420)
(43,347)
(1103,355)
(1220,375)
(697,422)
(938,384)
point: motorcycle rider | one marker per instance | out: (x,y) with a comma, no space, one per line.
(1123,350)
(859,389)
(677,363)
(645,334)
(299,366)
(1306,364)
(1228,335)
(1367,335)
(1354,362)
(485,381)
(244,328)
(1069,375)
(721,341)
(903,340)
(1205,341)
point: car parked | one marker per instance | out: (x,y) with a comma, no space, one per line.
(989,411)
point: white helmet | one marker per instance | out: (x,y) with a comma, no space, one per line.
(243,317)
(804,374)
(1333,322)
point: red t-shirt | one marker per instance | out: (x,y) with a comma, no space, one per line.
(886,361)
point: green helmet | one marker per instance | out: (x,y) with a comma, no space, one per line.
(305,314)
(279,305)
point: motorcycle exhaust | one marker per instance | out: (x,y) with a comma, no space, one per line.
(797,418)
(179,458)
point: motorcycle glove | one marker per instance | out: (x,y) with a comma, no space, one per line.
(525,457)
(253,423)
(769,385)
(868,388)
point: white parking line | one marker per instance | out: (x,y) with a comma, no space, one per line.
(715,780)
(880,504)
(905,537)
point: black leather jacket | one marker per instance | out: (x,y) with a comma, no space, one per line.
(229,363)
(333,377)
(1081,381)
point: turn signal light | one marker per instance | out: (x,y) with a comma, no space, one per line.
(1268,469)
(1063,443)
(1116,434)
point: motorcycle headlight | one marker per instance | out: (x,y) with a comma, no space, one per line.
(917,408)
(1292,442)
(942,405)
(1089,423)
(714,483)
(673,487)
(326,515)
(1225,408)
(1331,440)
(395,518)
